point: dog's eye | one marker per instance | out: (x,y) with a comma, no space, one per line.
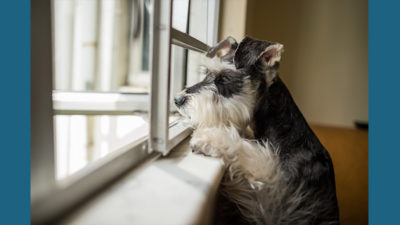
(195,88)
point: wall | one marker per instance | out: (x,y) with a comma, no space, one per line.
(325,64)
(232,21)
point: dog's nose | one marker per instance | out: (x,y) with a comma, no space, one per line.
(179,100)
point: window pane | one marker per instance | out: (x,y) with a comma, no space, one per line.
(203,20)
(193,66)
(178,78)
(81,139)
(102,45)
(199,19)
(180,15)
(138,79)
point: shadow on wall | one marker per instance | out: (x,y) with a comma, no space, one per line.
(325,64)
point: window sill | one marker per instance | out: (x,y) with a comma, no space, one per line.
(177,189)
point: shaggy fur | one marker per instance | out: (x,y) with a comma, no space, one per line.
(277,171)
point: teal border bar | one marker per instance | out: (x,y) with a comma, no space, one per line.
(15,112)
(384,111)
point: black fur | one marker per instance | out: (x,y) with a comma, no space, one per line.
(248,52)
(228,83)
(302,156)
(277,119)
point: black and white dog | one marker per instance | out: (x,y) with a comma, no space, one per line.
(277,171)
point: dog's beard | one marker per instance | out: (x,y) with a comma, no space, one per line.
(209,110)
(185,117)
(199,110)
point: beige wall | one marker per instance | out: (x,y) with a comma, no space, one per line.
(325,64)
(232,21)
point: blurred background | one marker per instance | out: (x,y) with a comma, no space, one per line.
(325,66)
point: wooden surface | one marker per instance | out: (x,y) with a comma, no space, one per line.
(349,151)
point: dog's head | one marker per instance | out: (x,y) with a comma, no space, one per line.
(232,82)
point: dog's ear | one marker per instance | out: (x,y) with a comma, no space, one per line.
(252,52)
(227,46)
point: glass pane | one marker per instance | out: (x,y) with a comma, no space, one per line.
(203,20)
(180,15)
(199,19)
(178,78)
(102,45)
(138,79)
(81,139)
(193,67)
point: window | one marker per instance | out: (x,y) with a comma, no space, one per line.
(105,92)
(101,79)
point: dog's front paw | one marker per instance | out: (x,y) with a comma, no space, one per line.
(203,142)
(200,148)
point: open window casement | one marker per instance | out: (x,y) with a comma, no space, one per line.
(116,65)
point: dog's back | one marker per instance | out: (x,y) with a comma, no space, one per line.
(303,159)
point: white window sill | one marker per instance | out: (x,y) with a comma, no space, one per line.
(177,189)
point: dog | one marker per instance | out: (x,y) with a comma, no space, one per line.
(277,171)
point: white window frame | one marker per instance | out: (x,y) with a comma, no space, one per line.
(49,198)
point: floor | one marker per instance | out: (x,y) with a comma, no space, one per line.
(349,151)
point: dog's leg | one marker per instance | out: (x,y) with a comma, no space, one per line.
(251,168)
(257,162)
